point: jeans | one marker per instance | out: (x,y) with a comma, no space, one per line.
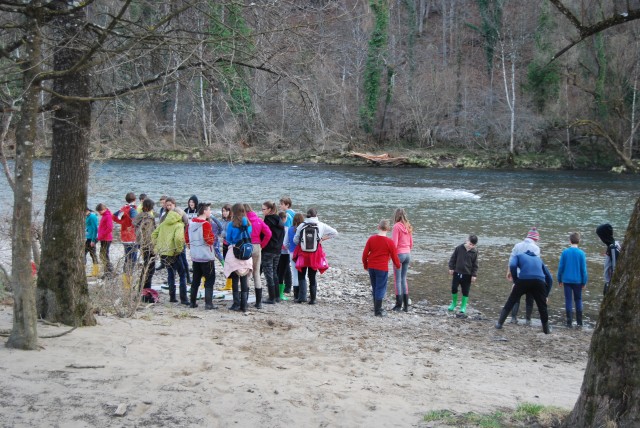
(572,292)
(104,256)
(91,249)
(173,264)
(379,280)
(401,274)
(130,256)
(148,268)
(270,268)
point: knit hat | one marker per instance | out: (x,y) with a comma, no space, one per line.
(533,234)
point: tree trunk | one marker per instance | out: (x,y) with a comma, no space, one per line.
(63,294)
(610,393)
(24,333)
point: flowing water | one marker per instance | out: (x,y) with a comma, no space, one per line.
(444,206)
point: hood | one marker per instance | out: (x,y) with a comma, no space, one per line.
(401,226)
(531,253)
(605,233)
(273,220)
(173,217)
(252,216)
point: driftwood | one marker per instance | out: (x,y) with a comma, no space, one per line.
(383,159)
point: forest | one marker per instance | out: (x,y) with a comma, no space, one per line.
(220,79)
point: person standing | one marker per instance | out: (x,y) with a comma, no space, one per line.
(402,237)
(605,233)
(271,252)
(144,225)
(298,219)
(170,205)
(530,243)
(531,276)
(572,276)
(234,268)
(201,240)
(311,259)
(168,242)
(124,217)
(375,259)
(260,236)
(285,205)
(463,267)
(105,237)
(91,238)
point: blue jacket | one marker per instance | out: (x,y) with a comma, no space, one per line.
(234,233)
(531,267)
(573,267)
(91,226)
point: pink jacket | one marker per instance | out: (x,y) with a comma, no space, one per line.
(105,227)
(402,239)
(258,227)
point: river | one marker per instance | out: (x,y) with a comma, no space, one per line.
(444,206)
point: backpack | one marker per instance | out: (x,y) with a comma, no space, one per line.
(243,249)
(149,295)
(309,238)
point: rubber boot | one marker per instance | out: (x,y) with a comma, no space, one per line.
(463,305)
(312,294)
(258,304)
(236,299)
(282,296)
(405,302)
(454,302)
(302,292)
(244,297)
(126,282)
(528,311)
(377,309)
(569,319)
(579,318)
(398,305)
(271,289)
(546,329)
(514,313)
(208,298)
(227,285)
(95,271)
(502,318)
(296,293)
(193,296)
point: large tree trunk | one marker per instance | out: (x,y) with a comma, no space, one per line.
(24,334)
(63,294)
(610,394)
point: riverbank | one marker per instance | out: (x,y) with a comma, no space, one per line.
(332,364)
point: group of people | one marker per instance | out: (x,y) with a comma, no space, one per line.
(286,247)
(274,248)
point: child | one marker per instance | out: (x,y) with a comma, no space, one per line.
(463,266)
(572,276)
(375,258)
(105,236)
(201,241)
(91,235)
(284,268)
(298,219)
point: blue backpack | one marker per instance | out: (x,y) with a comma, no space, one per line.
(243,249)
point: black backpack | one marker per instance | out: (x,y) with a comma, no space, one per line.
(309,238)
(243,249)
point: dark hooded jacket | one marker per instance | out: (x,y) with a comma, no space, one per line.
(276,225)
(192,213)
(605,233)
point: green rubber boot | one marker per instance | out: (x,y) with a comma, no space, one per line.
(281,290)
(454,302)
(463,305)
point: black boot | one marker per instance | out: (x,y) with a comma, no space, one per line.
(236,301)
(398,305)
(502,318)
(302,292)
(258,298)
(405,302)
(546,328)
(579,318)
(296,293)
(312,293)
(377,308)
(529,311)
(172,297)
(514,313)
(193,296)
(569,319)
(244,297)
(271,289)
(208,298)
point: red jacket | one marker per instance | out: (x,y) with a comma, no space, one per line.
(124,217)
(377,252)
(105,227)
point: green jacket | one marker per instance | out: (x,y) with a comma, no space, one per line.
(168,238)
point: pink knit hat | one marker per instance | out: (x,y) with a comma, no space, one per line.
(533,234)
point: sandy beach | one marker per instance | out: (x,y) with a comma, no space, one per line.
(332,364)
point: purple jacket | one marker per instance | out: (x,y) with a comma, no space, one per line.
(258,228)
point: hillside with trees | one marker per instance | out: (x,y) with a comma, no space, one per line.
(231,78)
